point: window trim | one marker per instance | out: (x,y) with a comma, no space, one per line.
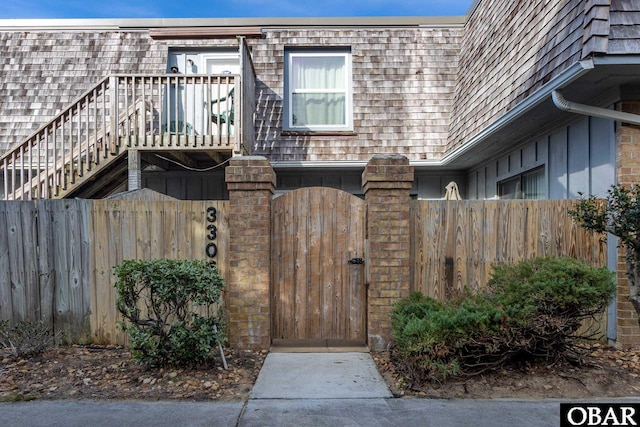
(289,54)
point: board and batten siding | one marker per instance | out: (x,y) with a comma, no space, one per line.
(578,158)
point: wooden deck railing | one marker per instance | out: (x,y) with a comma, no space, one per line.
(159,112)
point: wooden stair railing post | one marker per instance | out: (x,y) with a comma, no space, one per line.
(113,112)
(134,173)
(5,177)
(237,141)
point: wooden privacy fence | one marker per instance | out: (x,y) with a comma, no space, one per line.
(57,256)
(455,243)
(44,264)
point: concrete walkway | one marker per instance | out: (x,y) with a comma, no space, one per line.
(319,376)
(302,389)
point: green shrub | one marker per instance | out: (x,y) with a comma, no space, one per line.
(530,310)
(157,300)
(26,339)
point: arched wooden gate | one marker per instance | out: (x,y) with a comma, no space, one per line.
(318,291)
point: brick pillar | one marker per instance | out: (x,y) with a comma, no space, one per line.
(251,182)
(628,172)
(387,181)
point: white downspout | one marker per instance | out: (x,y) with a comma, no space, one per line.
(589,110)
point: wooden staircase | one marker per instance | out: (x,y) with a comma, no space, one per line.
(121,113)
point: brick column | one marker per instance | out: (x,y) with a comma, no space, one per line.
(628,172)
(251,182)
(387,181)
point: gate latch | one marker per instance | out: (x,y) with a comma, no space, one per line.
(356,261)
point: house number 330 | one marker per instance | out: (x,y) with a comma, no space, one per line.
(212,234)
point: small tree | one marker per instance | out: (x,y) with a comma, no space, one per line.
(618,214)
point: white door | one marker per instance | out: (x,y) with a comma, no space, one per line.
(189,103)
(224,65)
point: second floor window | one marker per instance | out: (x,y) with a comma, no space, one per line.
(318,90)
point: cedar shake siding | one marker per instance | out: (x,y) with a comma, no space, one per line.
(41,72)
(510,49)
(624,35)
(403,87)
(421,89)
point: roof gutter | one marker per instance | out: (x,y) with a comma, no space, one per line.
(589,110)
(571,74)
(129,24)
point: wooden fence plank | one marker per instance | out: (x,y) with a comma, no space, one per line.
(100,314)
(59,232)
(171,238)
(30,266)
(16,236)
(475,266)
(79,270)
(112,258)
(127,225)
(278,251)
(434,279)
(300,295)
(491,226)
(46,267)
(461,249)
(6,300)
(340,242)
(416,247)
(318,296)
(479,234)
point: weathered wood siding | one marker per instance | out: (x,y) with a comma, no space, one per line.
(403,80)
(46,71)
(596,27)
(418,90)
(403,86)
(510,49)
(57,256)
(455,244)
(624,35)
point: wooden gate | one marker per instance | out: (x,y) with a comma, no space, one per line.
(318,294)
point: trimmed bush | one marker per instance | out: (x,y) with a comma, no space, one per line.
(158,298)
(530,310)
